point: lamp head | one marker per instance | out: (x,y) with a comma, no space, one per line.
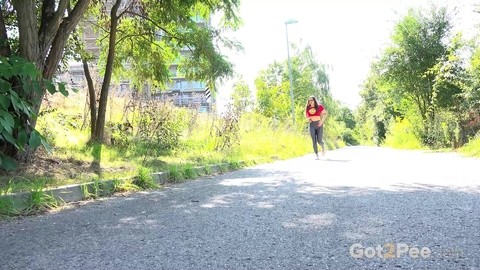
(291,21)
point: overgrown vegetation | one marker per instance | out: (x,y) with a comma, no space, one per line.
(19,79)
(160,137)
(56,38)
(423,92)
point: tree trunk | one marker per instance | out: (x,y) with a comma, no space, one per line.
(4,47)
(49,52)
(92,98)
(102,104)
(44,45)
(28,34)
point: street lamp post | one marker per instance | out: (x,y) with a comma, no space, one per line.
(290,69)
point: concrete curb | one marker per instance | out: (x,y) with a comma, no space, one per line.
(18,202)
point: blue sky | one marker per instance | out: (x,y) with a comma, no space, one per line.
(347,35)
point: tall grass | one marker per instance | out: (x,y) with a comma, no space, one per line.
(261,137)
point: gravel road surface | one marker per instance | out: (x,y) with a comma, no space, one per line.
(357,208)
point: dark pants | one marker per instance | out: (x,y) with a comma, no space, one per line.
(316,133)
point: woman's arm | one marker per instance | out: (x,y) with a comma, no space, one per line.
(323,116)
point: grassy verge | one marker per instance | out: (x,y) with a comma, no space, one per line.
(472,149)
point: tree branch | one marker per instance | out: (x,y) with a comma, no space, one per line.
(64,30)
(51,20)
(120,40)
(156,25)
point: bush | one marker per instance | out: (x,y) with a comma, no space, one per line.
(349,138)
(226,130)
(401,135)
(161,124)
(443,132)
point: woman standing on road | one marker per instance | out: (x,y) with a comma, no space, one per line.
(316,115)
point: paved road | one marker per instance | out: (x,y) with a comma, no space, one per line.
(358,208)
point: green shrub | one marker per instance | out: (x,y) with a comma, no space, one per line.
(189,172)
(16,108)
(401,135)
(175,174)
(144,179)
(226,130)
(161,125)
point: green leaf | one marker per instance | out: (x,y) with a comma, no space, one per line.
(4,102)
(61,88)
(4,86)
(26,108)
(5,126)
(50,87)
(30,70)
(27,85)
(17,65)
(24,68)
(7,120)
(37,88)
(45,144)
(5,68)
(35,139)
(13,93)
(22,137)
(17,104)
(8,163)
(9,138)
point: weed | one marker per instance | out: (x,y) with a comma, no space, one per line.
(127,186)
(144,179)
(92,190)
(116,185)
(40,200)
(6,207)
(189,172)
(207,169)
(86,191)
(175,174)
(234,164)
(7,188)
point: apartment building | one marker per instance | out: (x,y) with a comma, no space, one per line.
(183,92)
(180,91)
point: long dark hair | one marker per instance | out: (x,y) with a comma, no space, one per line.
(315,102)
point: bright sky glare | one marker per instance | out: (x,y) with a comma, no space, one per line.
(346,35)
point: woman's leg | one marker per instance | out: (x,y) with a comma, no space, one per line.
(313,134)
(320,138)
